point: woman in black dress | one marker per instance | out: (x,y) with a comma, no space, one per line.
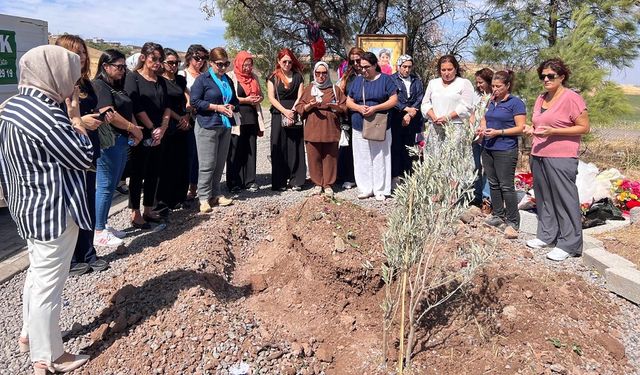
(174,174)
(148,92)
(285,86)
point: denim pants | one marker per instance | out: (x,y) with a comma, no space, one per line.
(480,182)
(110,167)
(500,167)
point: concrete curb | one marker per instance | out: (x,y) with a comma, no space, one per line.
(19,260)
(621,275)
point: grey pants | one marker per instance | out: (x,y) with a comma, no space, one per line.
(213,147)
(557,202)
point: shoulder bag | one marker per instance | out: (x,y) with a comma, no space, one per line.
(284,121)
(374,127)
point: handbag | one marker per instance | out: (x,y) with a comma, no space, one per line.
(284,120)
(374,127)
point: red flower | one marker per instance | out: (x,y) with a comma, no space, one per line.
(633,203)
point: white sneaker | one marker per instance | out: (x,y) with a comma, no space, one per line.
(105,238)
(365,195)
(348,185)
(118,233)
(537,244)
(558,254)
(380,197)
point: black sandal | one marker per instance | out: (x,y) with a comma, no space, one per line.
(141,226)
(152,219)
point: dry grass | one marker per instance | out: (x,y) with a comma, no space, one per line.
(623,154)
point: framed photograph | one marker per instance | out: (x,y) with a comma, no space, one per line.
(388,48)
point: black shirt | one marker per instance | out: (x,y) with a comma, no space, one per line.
(147,96)
(248,112)
(176,99)
(88,105)
(118,99)
(286,96)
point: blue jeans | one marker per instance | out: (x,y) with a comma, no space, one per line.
(110,167)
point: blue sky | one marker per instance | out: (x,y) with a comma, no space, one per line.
(173,24)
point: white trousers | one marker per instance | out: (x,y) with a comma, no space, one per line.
(372,164)
(42,294)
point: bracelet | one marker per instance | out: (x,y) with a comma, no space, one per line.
(129,128)
(502,134)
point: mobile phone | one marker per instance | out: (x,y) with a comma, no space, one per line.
(103,114)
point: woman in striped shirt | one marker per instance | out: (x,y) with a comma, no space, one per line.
(44,160)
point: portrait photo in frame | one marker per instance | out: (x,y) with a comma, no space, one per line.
(388,48)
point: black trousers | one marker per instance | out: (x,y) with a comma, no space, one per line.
(345,162)
(500,167)
(288,166)
(401,160)
(84,251)
(143,169)
(173,180)
(241,161)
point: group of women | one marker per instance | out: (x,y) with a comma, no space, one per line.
(176,130)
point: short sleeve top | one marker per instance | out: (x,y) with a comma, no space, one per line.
(501,116)
(116,98)
(147,96)
(376,92)
(562,114)
(287,95)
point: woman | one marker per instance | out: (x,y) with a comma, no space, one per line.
(214,99)
(174,175)
(345,152)
(110,95)
(385,61)
(85,257)
(406,119)
(322,104)
(241,161)
(480,100)
(40,142)
(447,98)
(371,93)
(195,63)
(559,119)
(500,127)
(284,88)
(148,92)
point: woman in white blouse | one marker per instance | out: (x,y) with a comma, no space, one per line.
(448,98)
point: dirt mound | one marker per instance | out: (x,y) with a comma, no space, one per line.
(297,291)
(320,269)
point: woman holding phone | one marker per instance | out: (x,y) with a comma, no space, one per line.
(559,119)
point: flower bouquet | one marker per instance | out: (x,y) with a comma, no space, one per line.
(627,193)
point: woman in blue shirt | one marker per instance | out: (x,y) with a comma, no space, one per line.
(214,98)
(500,127)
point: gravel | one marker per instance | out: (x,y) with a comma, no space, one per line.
(82,305)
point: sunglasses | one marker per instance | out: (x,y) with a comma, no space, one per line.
(354,62)
(221,64)
(119,66)
(321,73)
(172,63)
(550,77)
(287,62)
(155,58)
(200,58)
(365,67)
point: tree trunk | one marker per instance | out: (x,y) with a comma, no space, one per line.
(553,23)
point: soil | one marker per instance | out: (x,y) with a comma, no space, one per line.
(623,242)
(297,290)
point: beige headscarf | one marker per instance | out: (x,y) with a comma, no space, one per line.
(53,70)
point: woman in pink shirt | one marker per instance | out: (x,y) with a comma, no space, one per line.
(559,120)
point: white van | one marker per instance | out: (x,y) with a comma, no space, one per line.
(17,36)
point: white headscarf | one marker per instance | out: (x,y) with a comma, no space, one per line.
(317,88)
(54,70)
(132,61)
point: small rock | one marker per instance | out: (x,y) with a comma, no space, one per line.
(275,355)
(527,254)
(120,324)
(339,245)
(558,369)
(289,370)
(297,349)
(178,333)
(258,283)
(308,349)
(269,238)
(100,332)
(528,294)
(510,312)
(613,346)
(634,215)
(324,354)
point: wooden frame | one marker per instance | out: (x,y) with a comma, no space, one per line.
(396,44)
